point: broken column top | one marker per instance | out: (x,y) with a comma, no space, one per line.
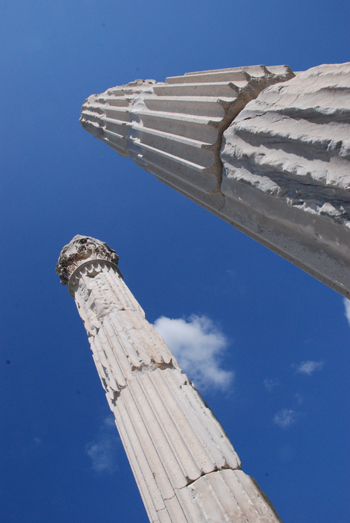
(79,250)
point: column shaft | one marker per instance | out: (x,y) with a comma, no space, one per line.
(283,174)
(184,464)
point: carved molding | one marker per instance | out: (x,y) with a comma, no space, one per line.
(78,251)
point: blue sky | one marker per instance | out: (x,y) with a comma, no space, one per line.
(277,339)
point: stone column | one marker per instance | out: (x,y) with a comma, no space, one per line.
(285,143)
(185,466)
(286,176)
(173,129)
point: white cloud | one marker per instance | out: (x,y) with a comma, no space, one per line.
(103,450)
(308,367)
(347,308)
(286,417)
(198,345)
(299,398)
(270,384)
(108,423)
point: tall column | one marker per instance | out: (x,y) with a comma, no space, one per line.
(283,174)
(286,172)
(173,129)
(184,464)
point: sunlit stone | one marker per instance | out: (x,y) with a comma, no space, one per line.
(283,175)
(184,464)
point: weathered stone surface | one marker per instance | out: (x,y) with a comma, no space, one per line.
(80,250)
(286,155)
(184,464)
(286,176)
(174,129)
(213,498)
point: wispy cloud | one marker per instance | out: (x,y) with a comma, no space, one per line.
(286,417)
(347,308)
(299,398)
(270,384)
(308,367)
(103,450)
(199,345)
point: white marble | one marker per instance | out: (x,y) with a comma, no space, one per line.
(184,464)
(285,153)
(286,176)
(173,129)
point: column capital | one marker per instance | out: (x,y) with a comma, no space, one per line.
(79,250)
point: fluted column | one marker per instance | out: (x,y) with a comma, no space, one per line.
(184,464)
(286,176)
(173,129)
(283,173)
